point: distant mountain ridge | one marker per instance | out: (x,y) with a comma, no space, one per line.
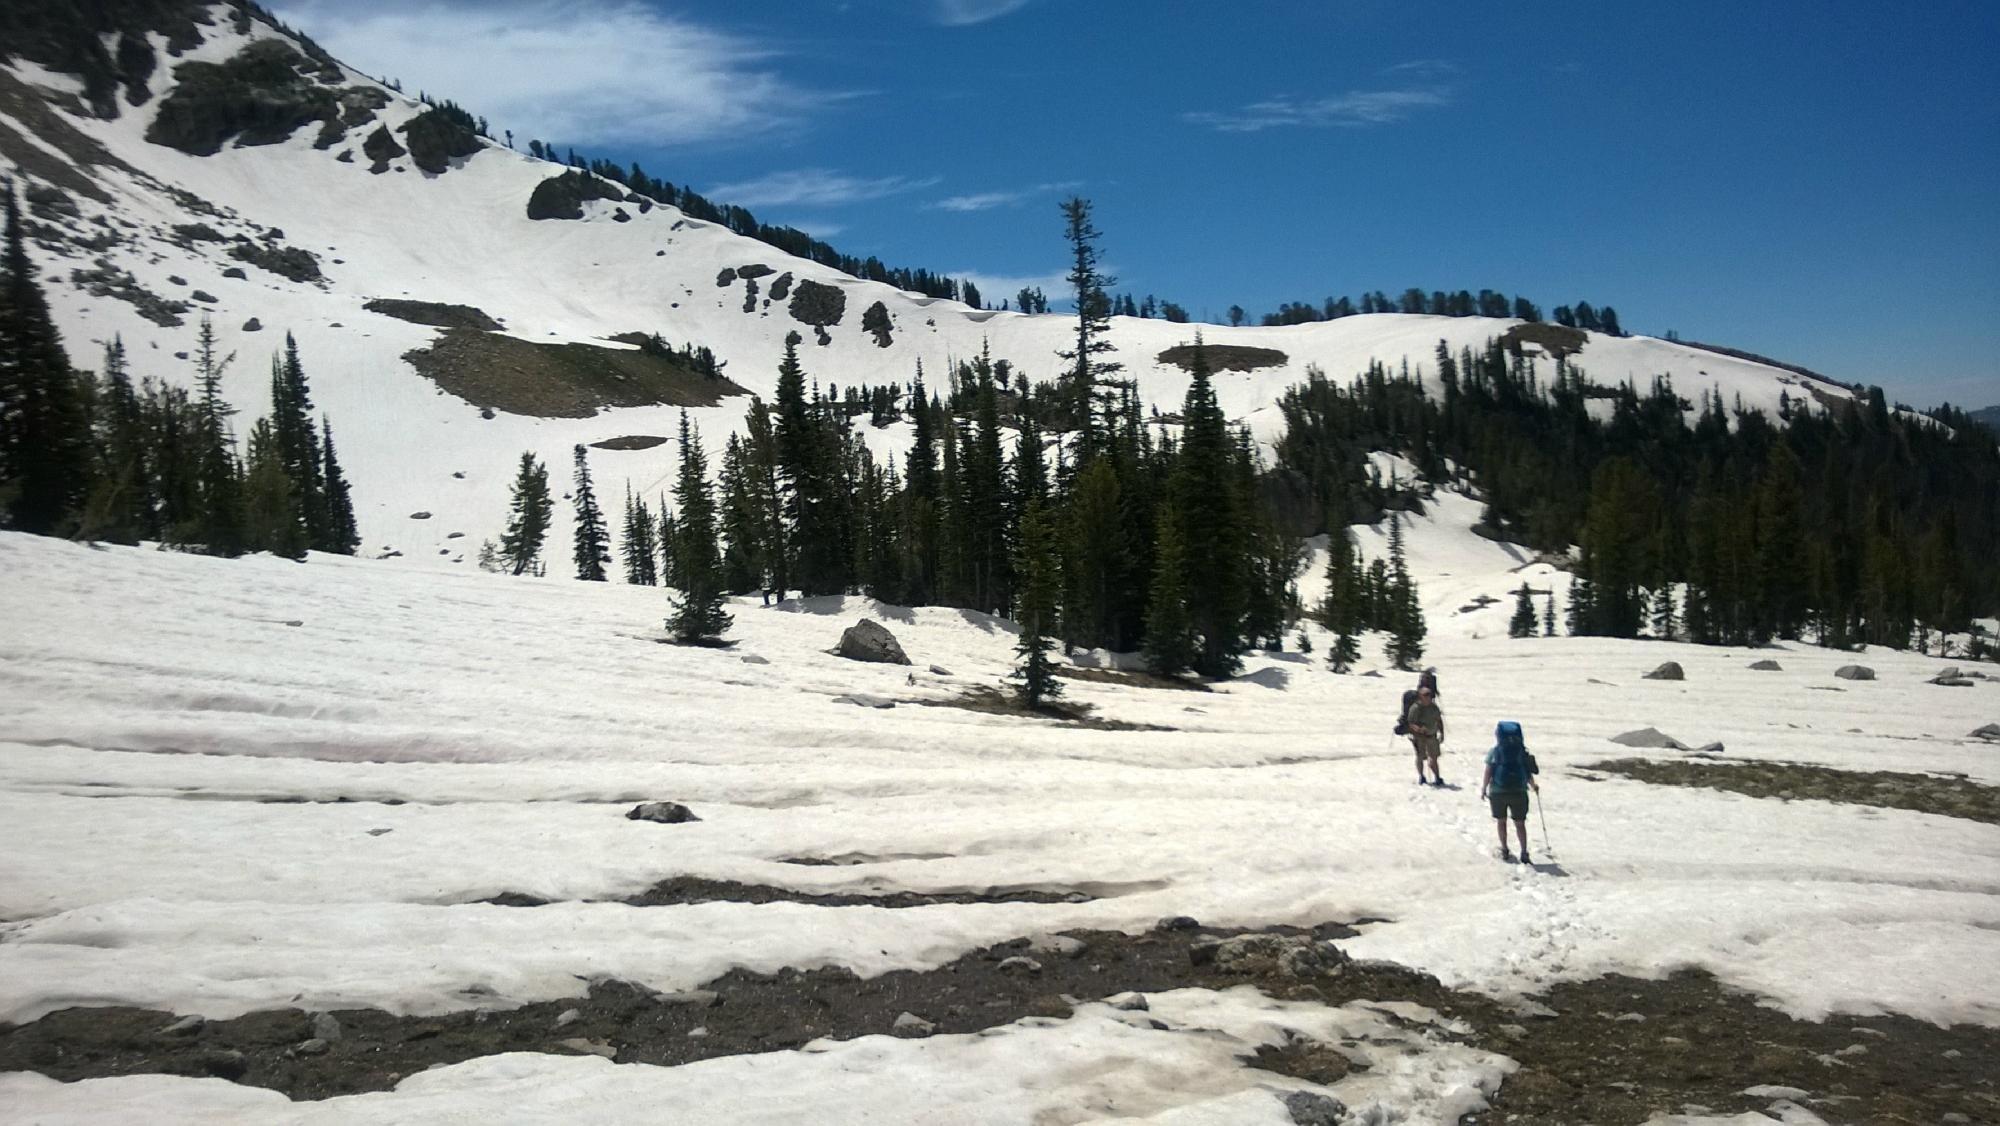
(324,191)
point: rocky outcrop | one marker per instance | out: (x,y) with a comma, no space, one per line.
(259,97)
(869,640)
(438,136)
(562,197)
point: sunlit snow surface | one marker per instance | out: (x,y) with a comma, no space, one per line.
(151,703)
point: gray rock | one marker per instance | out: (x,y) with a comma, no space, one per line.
(568,1017)
(1709,749)
(1767,666)
(312,1047)
(253,325)
(1854,672)
(1990,731)
(862,699)
(1513,1031)
(225,1063)
(912,1026)
(203,295)
(1176,923)
(662,812)
(1019,965)
(326,1027)
(1952,681)
(1201,952)
(1670,670)
(940,670)
(1129,1002)
(698,1033)
(1310,1108)
(235,272)
(589,1047)
(420,515)
(694,998)
(1061,945)
(183,1026)
(754,659)
(870,640)
(1651,737)
(1290,955)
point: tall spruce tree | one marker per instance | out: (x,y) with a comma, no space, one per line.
(591,543)
(1406,613)
(1522,624)
(298,439)
(1172,644)
(1209,505)
(45,450)
(1039,569)
(120,506)
(698,615)
(272,520)
(1343,610)
(343,537)
(528,516)
(1088,365)
(639,543)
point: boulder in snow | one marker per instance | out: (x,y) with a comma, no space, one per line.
(1176,923)
(862,699)
(754,659)
(585,1047)
(1767,666)
(870,640)
(1019,965)
(662,812)
(1671,670)
(1291,955)
(1854,672)
(1952,678)
(911,1026)
(1990,731)
(1310,1108)
(1650,737)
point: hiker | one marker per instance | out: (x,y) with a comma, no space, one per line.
(1426,726)
(1510,774)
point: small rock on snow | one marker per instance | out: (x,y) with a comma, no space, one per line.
(590,1047)
(1651,737)
(1767,666)
(1129,1002)
(940,670)
(1670,670)
(1176,923)
(754,659)
(1854,672)
(1019,965)
(1990,731)
(910,1025)
(860,699)
(1310,1108)
(662,812)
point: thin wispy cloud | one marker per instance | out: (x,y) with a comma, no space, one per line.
(566,71)
(1422,68)
(987,201)
(960,13)
(1353,109)
(815,187)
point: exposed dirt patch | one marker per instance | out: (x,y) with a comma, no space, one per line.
(435,313)
(1131,678)
(1555,340)
(1224,357)
(693,889)
(630,442)
(993,701)
(575,380)
(1740,354)
(1615,1049)
(1924,793)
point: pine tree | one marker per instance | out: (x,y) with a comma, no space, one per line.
(1039,569)
(1209,506)
(640,543)
(298,439)
(1579,619)
(1523,622)
(272,521)
(1406,614)
(528,516)
(1549,615)
(217,521)
(44,428)
(698,615)
(1343,610)
(1664,618)
(1172,646)
(342,535)
(1093,326)
(591,543)
(120,506)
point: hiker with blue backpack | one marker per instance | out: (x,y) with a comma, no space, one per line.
(1510,774)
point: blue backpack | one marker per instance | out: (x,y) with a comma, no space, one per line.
(1516,764)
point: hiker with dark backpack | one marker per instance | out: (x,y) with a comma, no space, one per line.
(1510,774)
(1431,734)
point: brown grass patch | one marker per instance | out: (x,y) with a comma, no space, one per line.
(574,380)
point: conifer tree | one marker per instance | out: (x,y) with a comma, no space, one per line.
(1342,611)
(343,537)
(670,563)
(1523,622)
(1549,615)
(1579,607)
(1208,504)
(1406,613)
(741,521)
(591,551)
(1088,284)
(120,506)
(272,521)
(1038,567)
(217,519)
(1172,647)
(44,428)
(1664,618)
(298,439)
(639,543)
(528,516)
(698,615)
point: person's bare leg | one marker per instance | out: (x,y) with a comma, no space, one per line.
(1520,831)
(1500,823)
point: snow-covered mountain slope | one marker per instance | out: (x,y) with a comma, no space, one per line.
(463,237)
(229,786)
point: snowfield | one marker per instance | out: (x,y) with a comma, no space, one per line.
(177,736)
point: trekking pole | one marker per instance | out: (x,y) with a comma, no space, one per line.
(1543,814)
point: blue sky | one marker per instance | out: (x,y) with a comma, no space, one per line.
(1817,183)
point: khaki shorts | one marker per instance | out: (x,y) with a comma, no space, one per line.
(1508,803)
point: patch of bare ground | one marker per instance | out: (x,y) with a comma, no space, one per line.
(681,890)
(1130,678)
(630,442)
(436,313)
(1611,1050)
(993,701)
(575,380)
(1554,339)
(1224,357)
(1947,796)
(1740,354)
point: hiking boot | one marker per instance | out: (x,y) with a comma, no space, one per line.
(1507,854)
